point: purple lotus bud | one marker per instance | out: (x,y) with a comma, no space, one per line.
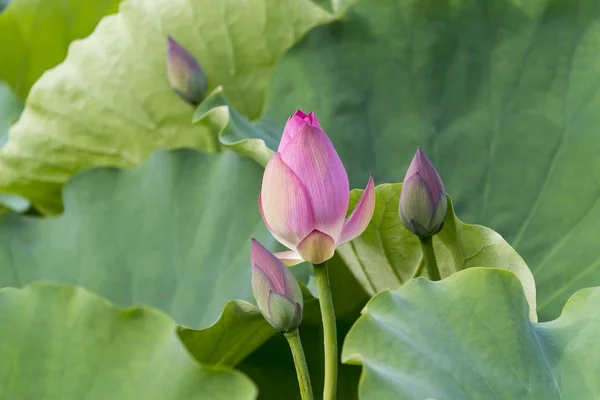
(423,202)
(275,289)
(185,74)
(305,194)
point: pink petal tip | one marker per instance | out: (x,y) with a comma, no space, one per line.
(358,221)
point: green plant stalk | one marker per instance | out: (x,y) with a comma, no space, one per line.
(295,343)
(429,257)
(329,331)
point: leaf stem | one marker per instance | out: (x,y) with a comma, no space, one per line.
(295,343)
(329,331)
(429,256)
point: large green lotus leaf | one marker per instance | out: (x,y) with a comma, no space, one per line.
(388,255)
(173,233)
(469,337)
(110,103)
(271,367)
(62,342)
(502,96)
(37,33)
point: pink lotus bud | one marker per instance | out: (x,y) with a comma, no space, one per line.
(185,75)
(275,289)
(423,203)
(305,194)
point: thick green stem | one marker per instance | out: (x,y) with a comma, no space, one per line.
(329,331)
(293,339)
(429,256)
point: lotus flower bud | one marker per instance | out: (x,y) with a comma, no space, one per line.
(275,289)
(185,74)
(305,194)
(423,203)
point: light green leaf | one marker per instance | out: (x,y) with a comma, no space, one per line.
(62,342)
(388,255)
(233,130)
(502,95)
(109,103)
(240,330)
(469,337)
(173,233)
(38,32)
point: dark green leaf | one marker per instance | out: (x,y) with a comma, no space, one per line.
(501,95)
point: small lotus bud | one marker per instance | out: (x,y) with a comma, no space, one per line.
(275,289)
(423,203)
(185,74)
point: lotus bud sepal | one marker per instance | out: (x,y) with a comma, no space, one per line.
(423,203)
(185,75)
(275,289)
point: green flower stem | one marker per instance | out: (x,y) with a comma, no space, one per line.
(429,256)
(293,339)
(329,331)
